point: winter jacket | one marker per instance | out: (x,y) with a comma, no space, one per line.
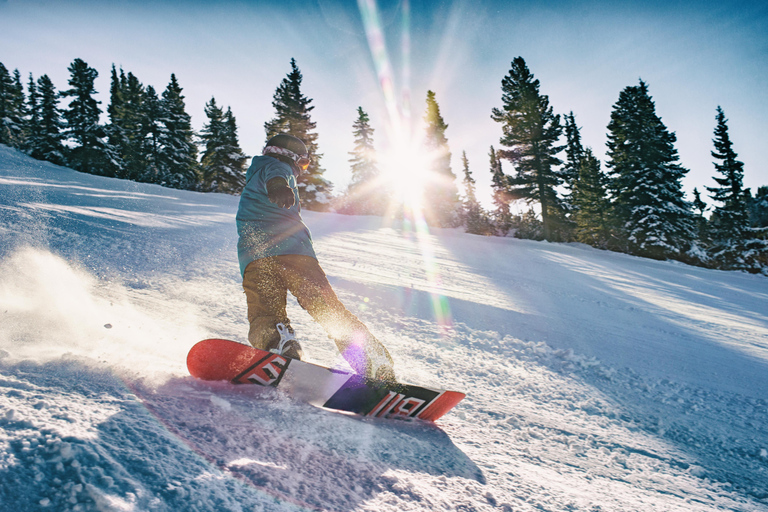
(264,228)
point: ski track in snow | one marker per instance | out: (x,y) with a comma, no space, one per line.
(596,381)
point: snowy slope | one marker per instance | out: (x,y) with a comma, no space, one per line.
(596,381)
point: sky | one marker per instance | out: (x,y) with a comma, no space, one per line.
(385,55)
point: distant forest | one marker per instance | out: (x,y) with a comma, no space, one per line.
(632,203)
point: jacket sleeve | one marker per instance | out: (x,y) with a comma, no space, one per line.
(276,169)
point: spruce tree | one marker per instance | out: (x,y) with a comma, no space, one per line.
(12,108)
(758,207)
(150,135)
(293,116)
(653,218)
(116,136)
(45,124)
(574,152)
(177,160)
(223,162)
(32,122)
(735,245)
(591,203)
(701,222)
(532,131)
(475,219)
(82,121)
(441,196)
(365,194)
(132,122)
(502,216)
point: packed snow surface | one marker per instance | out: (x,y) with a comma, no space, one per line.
(595,381)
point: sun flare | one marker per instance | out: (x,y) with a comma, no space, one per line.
(405,171)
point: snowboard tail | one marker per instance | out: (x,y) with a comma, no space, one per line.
(217,359)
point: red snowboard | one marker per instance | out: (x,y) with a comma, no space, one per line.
(216,359)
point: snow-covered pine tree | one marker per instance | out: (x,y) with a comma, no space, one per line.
(32,121)
(574,152)
(441,197)
(292,116)
(116,135)
(223,162)
(758,207)
(177,161)
(44,136)
(653,218)
(591,203)
(365,194)
(502,217)
(702,224)
(532,132)
(735,245)
(82,121)
(151,128)
(475,219)
(130,119)
(12,108)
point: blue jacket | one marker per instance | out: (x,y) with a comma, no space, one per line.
(264,228)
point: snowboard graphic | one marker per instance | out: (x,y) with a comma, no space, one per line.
(217,359)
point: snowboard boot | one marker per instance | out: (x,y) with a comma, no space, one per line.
(287,345)
(379,365)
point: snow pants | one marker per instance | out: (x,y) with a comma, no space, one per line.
(267,282)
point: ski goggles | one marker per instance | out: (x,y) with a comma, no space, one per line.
(301,161)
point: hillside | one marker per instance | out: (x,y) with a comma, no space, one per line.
(596,381)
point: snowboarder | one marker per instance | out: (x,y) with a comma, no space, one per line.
(276,256)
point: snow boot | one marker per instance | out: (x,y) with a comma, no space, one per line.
(287,345)
(379,365)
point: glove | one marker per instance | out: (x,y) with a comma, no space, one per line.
(280,193)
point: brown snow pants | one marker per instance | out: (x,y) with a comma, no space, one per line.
(266,283)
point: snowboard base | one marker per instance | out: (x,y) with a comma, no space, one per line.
(218,359)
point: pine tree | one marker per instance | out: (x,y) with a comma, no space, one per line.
(591,203)
(150,135)
(116,136)
(44,138)
(82,121)
(365,194)
(532,131)
(528,226)
(645,179)
(32,122)
(292,116)
(735,245)
(177,159)
(441,194)
(574,152)
(702,228)
(501,198)
(132,123)
(12,108)
(223,162)
(758,207)
(475,219)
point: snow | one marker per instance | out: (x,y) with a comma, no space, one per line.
(596,381)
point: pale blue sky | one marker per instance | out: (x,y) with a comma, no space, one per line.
(693,55)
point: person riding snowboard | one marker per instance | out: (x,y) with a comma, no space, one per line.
(276,256)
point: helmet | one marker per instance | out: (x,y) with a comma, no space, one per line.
(288,146)
(289,142)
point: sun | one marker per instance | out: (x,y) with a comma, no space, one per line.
(405,171)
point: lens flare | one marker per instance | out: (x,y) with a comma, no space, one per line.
(406,166)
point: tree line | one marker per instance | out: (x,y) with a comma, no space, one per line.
(635,204)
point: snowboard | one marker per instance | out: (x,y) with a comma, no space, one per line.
(218,359)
